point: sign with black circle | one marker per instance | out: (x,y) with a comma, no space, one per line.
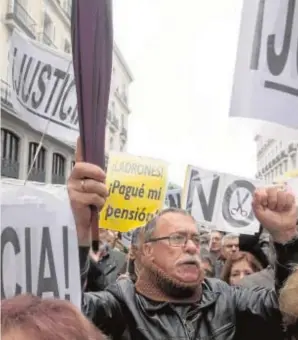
(236,204)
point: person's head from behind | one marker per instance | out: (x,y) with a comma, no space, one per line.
(229,245)
(215,241)
(238,266)
(27,317)
(288,302)
(135,251)
(171,252)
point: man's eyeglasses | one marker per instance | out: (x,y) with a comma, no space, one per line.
(178,240)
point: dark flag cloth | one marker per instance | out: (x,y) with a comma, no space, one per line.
(92,48)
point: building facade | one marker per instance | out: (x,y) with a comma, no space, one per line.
(275,159)
(48,21)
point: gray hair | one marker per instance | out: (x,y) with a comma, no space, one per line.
(230,236)
(135,237)
(149,228)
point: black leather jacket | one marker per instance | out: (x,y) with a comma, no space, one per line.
(223,313)
(106,271)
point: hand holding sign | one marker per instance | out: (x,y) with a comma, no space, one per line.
(276,211)
(85,188)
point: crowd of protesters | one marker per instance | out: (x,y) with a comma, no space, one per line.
(177,280)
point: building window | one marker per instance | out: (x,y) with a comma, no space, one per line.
(122,147)
(48,31)
(111,143)
(293,161)
(67,47)
(10,144)
(58,166)
(58,169)
(122,121)
(41,157)
(38,171)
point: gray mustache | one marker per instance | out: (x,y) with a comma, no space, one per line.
(190,260)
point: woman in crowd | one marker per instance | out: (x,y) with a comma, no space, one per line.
(238,266)
(27,317)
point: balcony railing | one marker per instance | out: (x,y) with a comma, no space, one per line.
(47,40)
(37,175)
(5,93)
(10,168)
(18,14)
(58,179)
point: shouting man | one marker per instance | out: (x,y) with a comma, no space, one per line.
(171,298)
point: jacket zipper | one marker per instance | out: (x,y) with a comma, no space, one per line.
(184,324)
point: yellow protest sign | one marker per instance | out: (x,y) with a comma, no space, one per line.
(137,188)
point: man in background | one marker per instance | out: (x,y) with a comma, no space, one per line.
(106,263)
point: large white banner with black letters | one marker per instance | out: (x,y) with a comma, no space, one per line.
(220,201)
(39,251)
(43,87)
(266,74)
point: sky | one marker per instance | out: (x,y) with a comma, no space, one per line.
(182,58)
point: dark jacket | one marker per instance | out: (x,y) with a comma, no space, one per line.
(221,314)
(106,271)
(264,278)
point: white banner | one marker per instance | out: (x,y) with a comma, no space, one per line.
(266,74)
(43,88)
(173,198)
(220,201)
(39,250)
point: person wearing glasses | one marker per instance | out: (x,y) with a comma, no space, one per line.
(171,299)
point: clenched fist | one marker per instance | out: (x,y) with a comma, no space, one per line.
(86,187)
(276,211)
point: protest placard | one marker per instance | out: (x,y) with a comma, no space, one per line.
(43,87)
(39,250)
(220,201)
(173,198)
(266,74)
(137,188)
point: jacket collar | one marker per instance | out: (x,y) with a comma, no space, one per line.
(207,299)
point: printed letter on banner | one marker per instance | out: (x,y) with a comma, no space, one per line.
(201,194)
(42,87)
(266,74)
(236,213)
(173,198)
(39,250)
(137,188)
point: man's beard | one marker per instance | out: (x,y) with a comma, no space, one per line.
(170,286)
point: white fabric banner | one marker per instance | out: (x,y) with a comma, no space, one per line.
(266,73)
(39,250)
(43,88)
(220,201)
